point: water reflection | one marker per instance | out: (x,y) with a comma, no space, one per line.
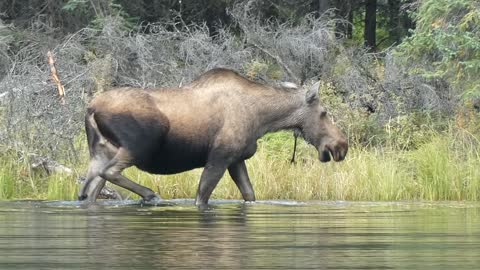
(233,235)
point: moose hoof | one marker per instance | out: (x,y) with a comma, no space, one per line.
(82,197)
(153,199)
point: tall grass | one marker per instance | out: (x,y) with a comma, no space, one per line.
(19,181)
(448,169)
(445,168)
(7,183)
(13,180)
(61,187)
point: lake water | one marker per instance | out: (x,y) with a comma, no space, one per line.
(234,235)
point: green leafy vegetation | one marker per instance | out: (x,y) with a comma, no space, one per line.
(445,168)
(409,102)
(446,43)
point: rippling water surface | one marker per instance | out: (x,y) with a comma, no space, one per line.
(234,235)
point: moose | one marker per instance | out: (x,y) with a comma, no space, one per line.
(214,122)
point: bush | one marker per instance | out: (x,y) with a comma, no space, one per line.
(368,93)
(92,60)
(446,43)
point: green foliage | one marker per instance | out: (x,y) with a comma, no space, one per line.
(259,68)
(14,180)
(402,153)
(360,127)
(102,13)
(61,187)
(446,43)
(444,168)
(19,181)
(7,183)
(117,13)
(75,6)
(468,118)
(412,130)
(406,131)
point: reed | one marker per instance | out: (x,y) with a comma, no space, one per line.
(13,183)
(61,187)
(7,183)
(447,167)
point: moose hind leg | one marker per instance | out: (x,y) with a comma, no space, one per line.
(92,189)
(112,172)
(93,183)
(239,174)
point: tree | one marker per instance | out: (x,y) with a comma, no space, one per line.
(394,21)
(370,24)
(446,43)
(320,6)
(344,10)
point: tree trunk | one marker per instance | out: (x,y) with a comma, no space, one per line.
(323,5)
(318,7)
(350,24)
(370,24)
(394,24)
(406,21)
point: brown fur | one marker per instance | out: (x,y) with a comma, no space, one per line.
(213,122)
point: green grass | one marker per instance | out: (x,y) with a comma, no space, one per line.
(447,167)
(18,181)
(7,184)
(61,187)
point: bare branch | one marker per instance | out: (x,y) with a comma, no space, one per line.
(61,89)
(278,60)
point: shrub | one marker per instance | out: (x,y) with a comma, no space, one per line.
(446,43)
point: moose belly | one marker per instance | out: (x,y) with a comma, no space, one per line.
(174,158)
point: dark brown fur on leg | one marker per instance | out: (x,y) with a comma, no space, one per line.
(112,172)
(239,174)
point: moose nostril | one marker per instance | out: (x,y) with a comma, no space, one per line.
(343,145)
(341,150)
(344,152)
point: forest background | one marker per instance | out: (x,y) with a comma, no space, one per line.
(401,78)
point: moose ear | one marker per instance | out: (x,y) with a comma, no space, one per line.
(312,93)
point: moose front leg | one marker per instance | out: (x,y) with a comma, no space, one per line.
(239,174)
(208,181)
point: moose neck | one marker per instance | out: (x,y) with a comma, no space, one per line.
(280,111)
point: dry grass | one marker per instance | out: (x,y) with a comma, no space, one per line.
(446,168)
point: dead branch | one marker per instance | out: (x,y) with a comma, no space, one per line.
(61,89)
(278,60)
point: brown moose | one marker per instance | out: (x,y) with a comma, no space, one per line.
(214,122)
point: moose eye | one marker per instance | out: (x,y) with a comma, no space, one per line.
(323,113)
